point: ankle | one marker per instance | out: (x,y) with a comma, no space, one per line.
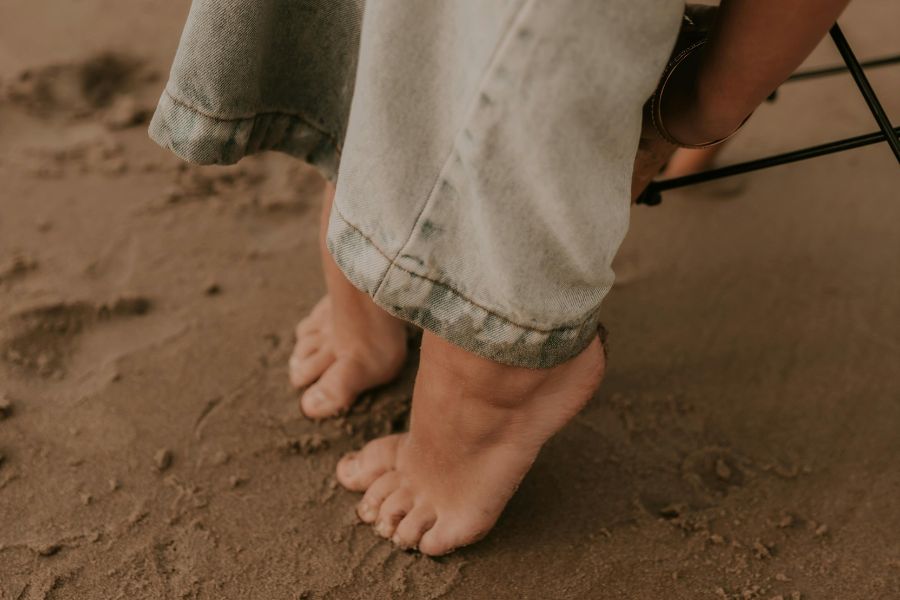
(467,375)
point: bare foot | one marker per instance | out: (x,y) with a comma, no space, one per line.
(346,345)
(475,430)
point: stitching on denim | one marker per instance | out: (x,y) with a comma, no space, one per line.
(488,71)
(571,327)
(299,116)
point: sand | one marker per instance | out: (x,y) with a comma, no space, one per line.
(744,444)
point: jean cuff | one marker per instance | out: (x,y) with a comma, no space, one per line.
(441,309)
(200,137)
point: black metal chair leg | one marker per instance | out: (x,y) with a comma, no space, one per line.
(865,89)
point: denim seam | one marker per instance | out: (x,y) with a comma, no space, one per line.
(572,327)
(473,103)
(299,116)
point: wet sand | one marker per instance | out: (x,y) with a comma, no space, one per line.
(744,445)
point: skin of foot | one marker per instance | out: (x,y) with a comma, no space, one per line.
(475,430)
(346,345)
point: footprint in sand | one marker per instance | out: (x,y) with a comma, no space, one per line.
(40,340)
(83,103)
(260,184)
(78,89)
(16,268)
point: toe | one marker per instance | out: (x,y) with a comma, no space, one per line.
(315,320)
(383,487)
(413,526)
(307,326)
(308,344)
(302,328)
(303,371)
(357,470)
(446,535)
(393,509)
(335,390)
(436,541)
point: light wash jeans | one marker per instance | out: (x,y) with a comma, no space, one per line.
(485,148)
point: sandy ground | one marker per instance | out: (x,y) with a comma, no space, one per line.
(744,445)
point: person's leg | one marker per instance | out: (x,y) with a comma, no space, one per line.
(346,345)
(752,49)
(475,430)
(483,192)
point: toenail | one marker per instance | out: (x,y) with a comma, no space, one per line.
(316,398)
(351,465)
(382,528)
(366,513)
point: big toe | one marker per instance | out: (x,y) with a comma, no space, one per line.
(358,470)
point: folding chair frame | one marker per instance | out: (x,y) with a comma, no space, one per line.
(653,194)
